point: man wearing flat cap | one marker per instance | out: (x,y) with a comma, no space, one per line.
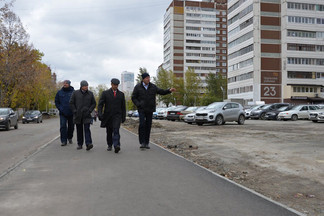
(62,99)
(82,104)
(144,97)
(111,113)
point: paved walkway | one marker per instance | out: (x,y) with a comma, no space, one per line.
(64,181)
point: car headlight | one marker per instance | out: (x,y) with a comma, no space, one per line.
(23,117)
(211,111)
(1,118)
(36,117)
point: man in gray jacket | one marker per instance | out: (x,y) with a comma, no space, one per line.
(82,104)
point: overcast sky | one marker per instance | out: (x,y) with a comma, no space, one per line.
(95,40)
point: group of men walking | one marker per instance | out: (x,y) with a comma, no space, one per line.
(75,107)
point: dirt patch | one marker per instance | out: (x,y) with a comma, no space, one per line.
(281,160)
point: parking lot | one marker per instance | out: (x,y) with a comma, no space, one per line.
(283,160)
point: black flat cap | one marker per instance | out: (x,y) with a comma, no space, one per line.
(115,81)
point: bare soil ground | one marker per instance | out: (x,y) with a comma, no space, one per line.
(282,160)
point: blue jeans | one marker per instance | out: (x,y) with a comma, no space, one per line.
(144,129)
(87,134)
(66,128)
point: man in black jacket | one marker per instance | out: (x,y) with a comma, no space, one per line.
(82,104)
(112,112)
(144,97)
(62,100)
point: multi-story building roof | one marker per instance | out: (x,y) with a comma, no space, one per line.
(275,50)
(195,36)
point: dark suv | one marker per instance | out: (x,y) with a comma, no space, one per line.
(8,118)
(260,113)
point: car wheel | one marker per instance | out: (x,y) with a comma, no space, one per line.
(219,120)
(200,124)
(314,120)
(262,116)
(189,122)
(241,120)
(16,126)
(23,122)
(8,125)
(37,121)
(294,117)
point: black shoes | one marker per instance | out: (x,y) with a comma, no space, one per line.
(117,149)
(63,144)
(79,147)
(144,146)
(90,146)
(70,141)
(109,148)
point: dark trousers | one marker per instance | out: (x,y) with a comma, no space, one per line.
(144,129)
(66,128)
(87,134)
(113,136)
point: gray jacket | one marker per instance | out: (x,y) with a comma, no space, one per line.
(82,104)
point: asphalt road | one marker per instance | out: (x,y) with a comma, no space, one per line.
(65,181)
(15,145)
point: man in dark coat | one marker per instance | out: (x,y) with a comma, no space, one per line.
(82,104)
(144,97)
(112,112)
(62,100)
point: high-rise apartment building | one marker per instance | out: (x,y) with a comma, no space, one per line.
(195,36)
(275,50)
(127,83)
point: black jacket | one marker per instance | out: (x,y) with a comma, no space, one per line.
(111,110)
(145,100)
(82,104)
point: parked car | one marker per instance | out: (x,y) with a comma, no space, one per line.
(8,118)
(32,116)
(53,111)
(174,113)
(190,117)
(273,115)
(250,109)
(162,113)
(260,112)
(221,112)
(297,112)
(317,115)
(155,114)
(135,113)
(130,113)
(187,111)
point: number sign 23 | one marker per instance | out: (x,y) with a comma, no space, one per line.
(270,91)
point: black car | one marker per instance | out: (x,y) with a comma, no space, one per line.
(273,115)
(8,118)
(32,116)
(261,112)
(174,113)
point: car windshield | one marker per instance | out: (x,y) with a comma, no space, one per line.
(31,112)
(4,111)
(296,107)
(215,105)
(191,109)
(284,108)
(266,107)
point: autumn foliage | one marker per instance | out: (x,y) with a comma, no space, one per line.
(25,81)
